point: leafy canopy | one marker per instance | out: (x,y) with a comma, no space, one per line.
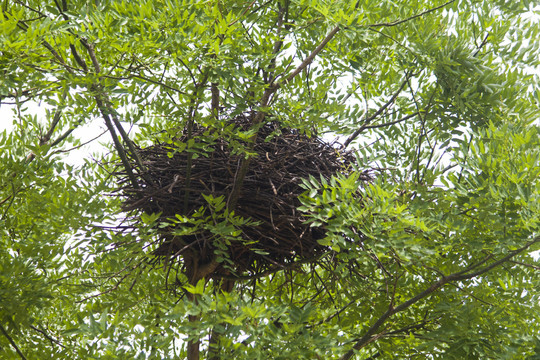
(438,258)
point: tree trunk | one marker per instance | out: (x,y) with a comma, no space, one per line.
(214,349)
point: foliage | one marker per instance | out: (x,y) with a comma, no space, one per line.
(439,258)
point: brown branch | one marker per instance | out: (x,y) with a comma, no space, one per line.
(55,54)
(536,267)
(194,105)
(310,58)
(244,166)
(138,76)
(62,137)
(47,336)
(111,117)
(92,54)
(410,328)
(458,276)
(28,92)
(119,148)
(4,332)
(47,137)
(78,58)
(215,99)
(66,134)
(405,118)
(398,22)
(378,112)
(56,119)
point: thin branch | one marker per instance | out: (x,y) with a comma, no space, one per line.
(310,58)
(111,117)
(195,101)
(78,59)
(244,166)
(242,14)
(138,76)
(111,289)
(272,270)
(214,89)
(536,267)
(377,113)
(119,148)
(459,276)
(47,336)
(479,47)
(398,22)
(92,54)
(21,355)
(30,8)
(395,41)
(62,137)
(74,52)
(283,13)
(56,119)
(393,122)
(409,329)
(78,146)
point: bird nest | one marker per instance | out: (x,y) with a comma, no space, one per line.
(190,193)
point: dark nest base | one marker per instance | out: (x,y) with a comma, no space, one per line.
(269,197)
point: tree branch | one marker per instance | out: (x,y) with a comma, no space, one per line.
(4,332)
(398,22)
(310,58)
(47,336)
(111,117)
(138,76)
(536,267)
(377,113)
(405,118)
(119,148)
(458,276)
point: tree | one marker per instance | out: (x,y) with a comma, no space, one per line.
(434,257)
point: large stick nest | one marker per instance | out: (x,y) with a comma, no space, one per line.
(177,183)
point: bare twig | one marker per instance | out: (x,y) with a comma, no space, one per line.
(75,147)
